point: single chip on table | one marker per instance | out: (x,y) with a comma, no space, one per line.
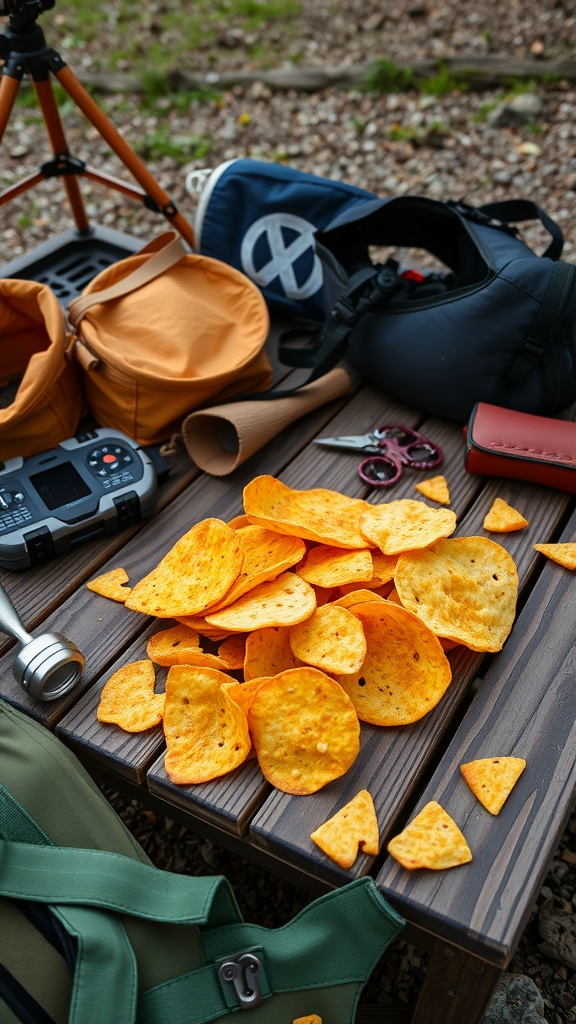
(111,584)
(128,699)
(332,639)
(318,514)
(265,555)
(310,1018)
(353,829)
(502,518)
(405,672)
(563,554)
(492,779)
(193,575)
(328,566)
(435,488)
(305,730)
(206,731)
(431,840)
(405,524)
(268,652)
(281,602)
(464,588)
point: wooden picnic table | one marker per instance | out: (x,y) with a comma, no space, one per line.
(520,702)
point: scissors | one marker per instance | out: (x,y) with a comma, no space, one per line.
(391,447)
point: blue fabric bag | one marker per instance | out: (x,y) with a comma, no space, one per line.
(261,218)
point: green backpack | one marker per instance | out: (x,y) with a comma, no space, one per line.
(92,933)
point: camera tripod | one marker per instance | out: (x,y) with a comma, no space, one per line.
(24,50)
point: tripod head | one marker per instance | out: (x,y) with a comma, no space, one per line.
(23,13)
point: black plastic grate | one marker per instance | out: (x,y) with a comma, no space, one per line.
(71,261)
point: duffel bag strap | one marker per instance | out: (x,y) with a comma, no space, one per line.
(171,252)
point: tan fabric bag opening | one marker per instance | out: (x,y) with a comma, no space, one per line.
(164,332)
(42,386)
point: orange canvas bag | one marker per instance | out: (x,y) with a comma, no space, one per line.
(164,332)
(42,385)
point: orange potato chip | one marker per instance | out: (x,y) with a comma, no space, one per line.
(405,671)
(206,732)
(311,1018)
(353,829)
(232,651)
(435,488)
(492,779)
(318,514)
(384,567)
(195,574)
(238,521)
(281,602)
(243,693)
(173,646)
(432,840)
(464,588)
(304,729)
(332,639)
(268,652)
(111,584)
(359,596)
(266,554)
(405,524)
(180,645)
(199,624)
(502,518)
(564,554)
(328,566)
(128,699)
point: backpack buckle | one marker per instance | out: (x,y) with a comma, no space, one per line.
(243,972)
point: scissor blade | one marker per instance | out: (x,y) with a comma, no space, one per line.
(354,443)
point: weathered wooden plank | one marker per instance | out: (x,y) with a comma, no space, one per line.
(526,707)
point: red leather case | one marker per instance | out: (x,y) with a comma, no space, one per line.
(502,442)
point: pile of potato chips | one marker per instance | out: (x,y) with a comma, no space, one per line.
(319,611)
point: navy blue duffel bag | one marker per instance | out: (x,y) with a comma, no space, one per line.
(496,324)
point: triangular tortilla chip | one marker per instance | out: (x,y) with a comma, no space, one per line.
(492,779)
(352,829)
(111,584)
(432,840)
(564,554)
(311,1018)
(502,518)
(435,488)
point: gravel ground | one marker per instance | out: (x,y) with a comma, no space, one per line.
(467,144)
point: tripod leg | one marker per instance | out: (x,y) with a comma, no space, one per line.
(57,138)
(98,119)
(8,92)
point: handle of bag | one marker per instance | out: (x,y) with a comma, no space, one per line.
(170,253)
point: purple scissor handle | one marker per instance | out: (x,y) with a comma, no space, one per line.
(392,446)
(400,446)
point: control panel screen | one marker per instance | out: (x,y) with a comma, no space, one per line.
(60,485)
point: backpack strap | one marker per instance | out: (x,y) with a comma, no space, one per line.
(514,211)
